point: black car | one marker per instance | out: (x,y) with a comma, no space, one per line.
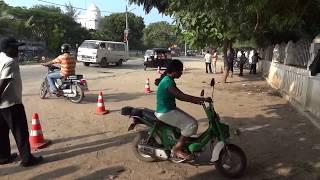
(157,57)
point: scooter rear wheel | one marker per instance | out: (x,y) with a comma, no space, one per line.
(141,139)
(232,161)
(79,94)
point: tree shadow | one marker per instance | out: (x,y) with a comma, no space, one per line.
(55,174)
(66,139)
(115,97)
(75,150)
(107,173)
(280,145)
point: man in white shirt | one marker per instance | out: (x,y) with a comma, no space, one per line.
(207,59)
(12,113)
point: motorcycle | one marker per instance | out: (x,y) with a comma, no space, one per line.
(72,87)
(157,142)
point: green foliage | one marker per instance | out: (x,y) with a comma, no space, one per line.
(224,21)
(42,23)
(159,34)
(112,29)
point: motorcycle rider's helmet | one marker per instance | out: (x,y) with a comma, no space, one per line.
(65,48)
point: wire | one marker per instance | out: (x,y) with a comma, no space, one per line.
(73,6)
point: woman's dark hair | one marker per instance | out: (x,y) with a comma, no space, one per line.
(174,66)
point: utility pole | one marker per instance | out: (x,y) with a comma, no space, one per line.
(185,48)
(126,31)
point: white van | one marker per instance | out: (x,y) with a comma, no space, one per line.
(102,52)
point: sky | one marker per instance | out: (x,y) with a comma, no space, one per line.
(106,7)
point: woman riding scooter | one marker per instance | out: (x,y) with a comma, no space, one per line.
(168,112)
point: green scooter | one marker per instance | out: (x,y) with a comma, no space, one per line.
(156,142)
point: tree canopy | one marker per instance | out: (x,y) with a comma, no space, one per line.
(112,28)
(213,22)
(159,34)
(42,23)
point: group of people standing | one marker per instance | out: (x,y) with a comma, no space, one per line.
(211,58)
(229,61)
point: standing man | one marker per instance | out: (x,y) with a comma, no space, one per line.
(243,60)
(214,59)
(207,59)
(12,113)
(229,64)
(255,59)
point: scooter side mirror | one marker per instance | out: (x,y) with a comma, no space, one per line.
(202,93)
(213,82)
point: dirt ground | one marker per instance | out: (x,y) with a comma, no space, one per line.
(278,141)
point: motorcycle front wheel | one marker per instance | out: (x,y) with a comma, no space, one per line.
(79,94)
(43,90)
(232,161)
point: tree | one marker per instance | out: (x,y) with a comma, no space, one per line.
(71,11)
(112,29)
(159,34)
(224,21)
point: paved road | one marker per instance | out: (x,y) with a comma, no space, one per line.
(32,75)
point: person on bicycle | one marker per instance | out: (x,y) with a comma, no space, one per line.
(67,64)
(168,112)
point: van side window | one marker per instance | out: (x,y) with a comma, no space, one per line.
(119,47)
(111,47)
(102,45)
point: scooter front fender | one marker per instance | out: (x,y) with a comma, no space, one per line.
(216,151)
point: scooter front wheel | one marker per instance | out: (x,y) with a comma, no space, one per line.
(232,161)
(43,90)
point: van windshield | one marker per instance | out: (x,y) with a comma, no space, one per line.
(89,45)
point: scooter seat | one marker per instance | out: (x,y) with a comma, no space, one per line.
(149,114)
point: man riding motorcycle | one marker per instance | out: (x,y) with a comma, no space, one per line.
(67,65)
(168,112)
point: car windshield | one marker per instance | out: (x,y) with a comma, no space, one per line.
(149,52)
(89,45)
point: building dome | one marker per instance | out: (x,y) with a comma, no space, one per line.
(93,12)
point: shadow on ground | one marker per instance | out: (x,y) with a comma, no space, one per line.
(113,97)
(73,151)
(280,145)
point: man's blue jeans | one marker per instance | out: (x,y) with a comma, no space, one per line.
(52,77)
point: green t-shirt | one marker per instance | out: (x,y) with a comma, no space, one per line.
(165,100)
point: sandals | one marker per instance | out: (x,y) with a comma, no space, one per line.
(180,156)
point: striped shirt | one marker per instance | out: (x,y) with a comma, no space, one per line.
(67,64)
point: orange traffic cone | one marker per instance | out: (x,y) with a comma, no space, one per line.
(36,138)
(158,70)
(147,87)
(100,106)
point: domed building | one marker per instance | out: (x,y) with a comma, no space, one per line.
(91,18)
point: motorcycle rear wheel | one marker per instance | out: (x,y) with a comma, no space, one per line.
(225,164)
(43,90)
(79,94)
(138,140)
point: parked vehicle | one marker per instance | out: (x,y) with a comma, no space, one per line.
(72,87)
(157,57)
(102,53)
(157,141)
